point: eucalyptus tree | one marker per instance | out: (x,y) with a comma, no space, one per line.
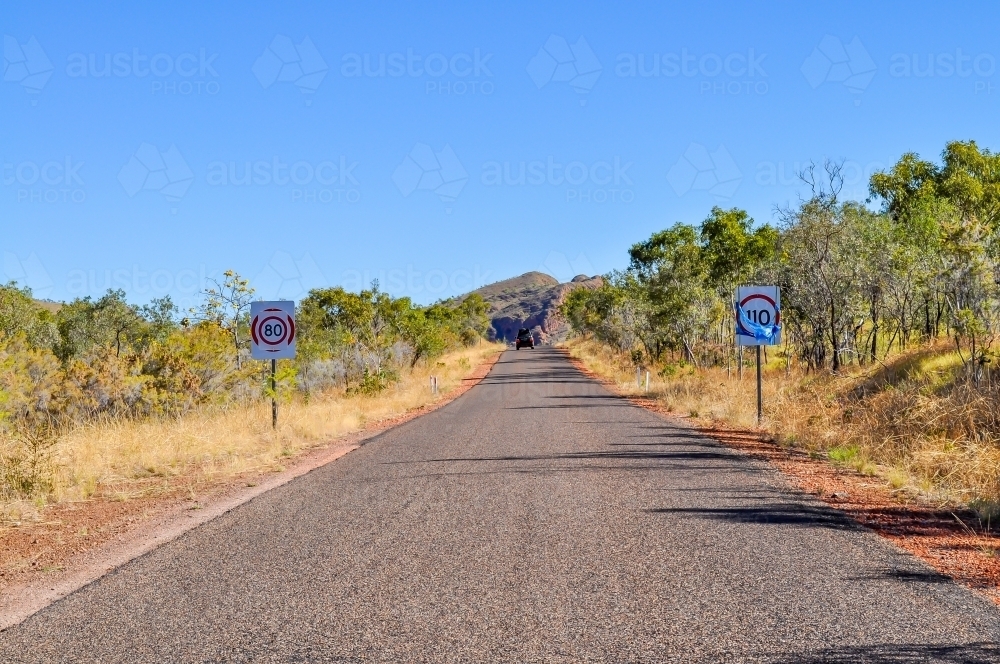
(820,272)
(951,215)
(20,314)
(672,270)
(735,252)
(227,304)
(108,323)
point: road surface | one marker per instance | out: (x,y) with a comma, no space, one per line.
(536,518)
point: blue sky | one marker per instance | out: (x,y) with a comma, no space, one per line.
(440,148)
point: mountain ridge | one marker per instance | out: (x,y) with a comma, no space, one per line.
(531,300)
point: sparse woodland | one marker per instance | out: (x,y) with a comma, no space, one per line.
(105,362)
(890,313)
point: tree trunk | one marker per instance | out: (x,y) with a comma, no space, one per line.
(833,339)
(689,354)
(236,342)
(874,347)
(937,317)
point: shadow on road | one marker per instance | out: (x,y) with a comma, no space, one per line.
(553,376)
(638,454)
(590,401)
(678,432)
(789,514)
(891,653)
(906,576)
(668,443)
(611,397)
(581,468)
(568,405)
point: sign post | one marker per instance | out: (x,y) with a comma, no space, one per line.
(758,323)
(760,390)
(272,337)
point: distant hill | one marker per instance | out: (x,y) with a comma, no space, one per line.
(527,281)
(531,300)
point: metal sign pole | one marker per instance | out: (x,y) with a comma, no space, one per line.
(272,337)
(758,323)
(274,395)
(760,393)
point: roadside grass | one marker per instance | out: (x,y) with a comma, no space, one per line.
(914,422)
(126,458)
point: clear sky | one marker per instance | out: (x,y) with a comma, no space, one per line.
(148,146)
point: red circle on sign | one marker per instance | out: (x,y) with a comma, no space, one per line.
(761,296)
(756,296)
(288,329)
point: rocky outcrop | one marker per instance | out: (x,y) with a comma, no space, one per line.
(531,300)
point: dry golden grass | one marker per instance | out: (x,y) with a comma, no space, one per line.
(124,458)
(910,422)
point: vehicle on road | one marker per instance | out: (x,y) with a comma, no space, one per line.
(525,339)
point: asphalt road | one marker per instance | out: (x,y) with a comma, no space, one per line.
(536,518)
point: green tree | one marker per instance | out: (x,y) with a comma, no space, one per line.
(734,249)
(368,323)
(227,304)
(20,314)
(672,270)
(109,323)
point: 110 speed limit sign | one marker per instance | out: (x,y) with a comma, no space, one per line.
(758,315)
(272,330)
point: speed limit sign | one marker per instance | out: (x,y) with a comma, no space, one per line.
(758,315)
(272,330)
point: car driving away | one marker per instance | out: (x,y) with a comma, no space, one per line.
(525,339)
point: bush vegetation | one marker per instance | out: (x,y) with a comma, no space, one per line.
(106,360)
(890,311)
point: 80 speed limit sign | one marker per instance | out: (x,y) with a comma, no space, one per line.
(272,330)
